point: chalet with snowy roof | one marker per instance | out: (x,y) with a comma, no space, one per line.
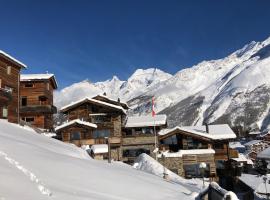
(107,114)
(138,135)
(36,99)
(254,147)
(9,87)
(195,144)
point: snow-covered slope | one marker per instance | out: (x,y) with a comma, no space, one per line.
(34,166)
(234,90)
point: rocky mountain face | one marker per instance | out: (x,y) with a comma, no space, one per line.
(233,90)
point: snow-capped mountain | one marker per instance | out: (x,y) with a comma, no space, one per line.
(138,83)
(234,90)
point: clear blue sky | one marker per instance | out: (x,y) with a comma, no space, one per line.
(84,39)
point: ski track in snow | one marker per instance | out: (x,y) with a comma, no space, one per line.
(43,190)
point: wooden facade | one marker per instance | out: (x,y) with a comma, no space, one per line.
(9,87)
(108,119)
(36,100)
(137,140)
(178,140)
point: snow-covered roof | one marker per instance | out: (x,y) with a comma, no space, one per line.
(75,121)
(13,59)
(123,104)
(265,154)
(180,153)
(84,100)
(256,182)
(32,77)
(252,142)
(144,121)
(99,148)
(235,145)
(242,158)
(216,132)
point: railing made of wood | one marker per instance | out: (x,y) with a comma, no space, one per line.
(113,140)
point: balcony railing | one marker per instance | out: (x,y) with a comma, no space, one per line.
(50,109)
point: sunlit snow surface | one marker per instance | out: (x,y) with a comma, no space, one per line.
(34,166)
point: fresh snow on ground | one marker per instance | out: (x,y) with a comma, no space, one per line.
(34,166)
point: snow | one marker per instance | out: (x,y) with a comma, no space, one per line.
(180,153)
(265,154)
(235,145)
(13,59)
(73,104)
(34,166)
(75,121)
(229,80)
(150,165)
(216,132)
(252,142)
(99,148)
(144,121)
(256,182)
(27,77)
(243,158)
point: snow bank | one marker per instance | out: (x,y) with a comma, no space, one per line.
(150,165)
(34,166)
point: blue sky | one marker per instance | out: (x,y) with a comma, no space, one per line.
(83,39)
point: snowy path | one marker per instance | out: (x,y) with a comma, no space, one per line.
(42,189)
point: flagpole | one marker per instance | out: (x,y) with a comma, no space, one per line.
(155,133)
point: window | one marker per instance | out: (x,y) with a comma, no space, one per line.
(28,85)
(75,136)
(135,152)
(24,101)
(42,100)
(8,70)
(147,130)
(102,133)
(9,89)
(193,170)
(5,112)
(28,119)
(101,118)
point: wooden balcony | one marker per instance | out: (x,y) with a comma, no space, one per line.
(221,154)
(48,109)
(5,97)
(113,140)
(138,140)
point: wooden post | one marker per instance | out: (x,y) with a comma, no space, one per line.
(109,150)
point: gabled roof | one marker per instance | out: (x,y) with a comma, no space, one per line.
(76,121)
(216,132)
(145,121)
(39,77)
(110,100)
(88,100)
(9,57)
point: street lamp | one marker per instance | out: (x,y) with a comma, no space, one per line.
(202,167)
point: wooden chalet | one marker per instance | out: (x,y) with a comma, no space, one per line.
(107,115)
(36,99)
(138,135)
(9,87)
(195,144)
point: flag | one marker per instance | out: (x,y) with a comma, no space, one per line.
(153,107)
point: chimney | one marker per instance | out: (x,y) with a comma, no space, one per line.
(206,128)
(104,94)
(118,100)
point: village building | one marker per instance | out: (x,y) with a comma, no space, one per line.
(254,147)
(107,114)
(36,100)
(9,87)
(139,135)
(183,149)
